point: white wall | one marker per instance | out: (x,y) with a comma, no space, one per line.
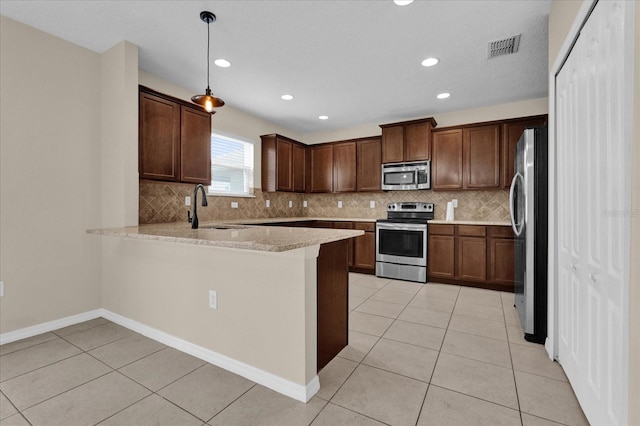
(49,177)
(489,113)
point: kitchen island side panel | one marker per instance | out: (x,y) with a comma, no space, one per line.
(266,313)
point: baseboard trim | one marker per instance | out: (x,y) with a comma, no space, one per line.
(34,330)
(271,381)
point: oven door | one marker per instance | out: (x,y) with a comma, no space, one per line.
(402,243)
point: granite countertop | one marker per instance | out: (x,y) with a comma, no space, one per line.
(261,238)
(471,222)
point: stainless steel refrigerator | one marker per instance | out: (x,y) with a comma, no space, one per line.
(528,204)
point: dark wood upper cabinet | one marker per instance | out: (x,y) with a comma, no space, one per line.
(159,138)
(174,139)
(511,132)
(283,164)
(393,144)
(481,148)
(407,141)
(369,157)
(299,168)
(284,169)
(321,164)
(344,167)
(195,146)
(446,165)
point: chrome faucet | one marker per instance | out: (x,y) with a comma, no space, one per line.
(194,220)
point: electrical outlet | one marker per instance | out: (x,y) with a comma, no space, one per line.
(234,205)
(339,204)
(454,202)
(290,204)
(1,288)
(268,203)
(305,203)
(187,201)
(372,204)
(213,299)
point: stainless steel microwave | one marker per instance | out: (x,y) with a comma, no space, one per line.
(406,176)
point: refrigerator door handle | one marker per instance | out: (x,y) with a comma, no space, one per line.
(517,227)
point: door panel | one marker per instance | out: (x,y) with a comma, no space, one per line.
(593,190)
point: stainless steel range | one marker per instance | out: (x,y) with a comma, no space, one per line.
(401,241)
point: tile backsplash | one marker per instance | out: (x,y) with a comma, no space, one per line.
(164,202)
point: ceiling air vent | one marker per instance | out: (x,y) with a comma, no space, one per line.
(505,46)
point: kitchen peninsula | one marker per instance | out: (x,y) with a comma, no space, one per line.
(280,295)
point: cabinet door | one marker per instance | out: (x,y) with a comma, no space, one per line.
(322,168)
(482,157)
(299,168)
(441,256)
(472,259)
(159,138)
(346,225)
(501,261)
(364,251)
(195,146)
(344,167)
(284,165)
(393,144)
(417,143)
(446,166)
(511,133)
(369,159)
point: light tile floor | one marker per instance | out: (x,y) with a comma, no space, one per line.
(429,354)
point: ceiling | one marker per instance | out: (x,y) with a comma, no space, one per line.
(357,62)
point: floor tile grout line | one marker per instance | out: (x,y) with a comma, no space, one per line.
(42,366)
(232,402)
(513,370)
(353,411)
(475,397)
(319,411)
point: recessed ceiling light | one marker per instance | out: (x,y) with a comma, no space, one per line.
(402,2)
(429,62)
(287,97)
(323,117)
(443,95)
(222,63)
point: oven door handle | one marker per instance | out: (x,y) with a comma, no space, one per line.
(403,227)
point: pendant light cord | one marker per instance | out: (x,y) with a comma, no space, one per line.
(208,43)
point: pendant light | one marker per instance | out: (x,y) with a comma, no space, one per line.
(208,101)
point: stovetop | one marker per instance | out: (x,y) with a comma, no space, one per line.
(409,212)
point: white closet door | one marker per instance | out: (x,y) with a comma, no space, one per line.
(593,226)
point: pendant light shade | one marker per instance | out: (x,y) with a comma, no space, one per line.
(208,101)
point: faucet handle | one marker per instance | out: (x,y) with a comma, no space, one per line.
(189,218)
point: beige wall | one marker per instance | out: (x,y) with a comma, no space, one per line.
(119,132)
(561,18)
(266,301)
(489,113)
(49,177)
(228,120)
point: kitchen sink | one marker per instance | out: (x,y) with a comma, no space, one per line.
(223,227)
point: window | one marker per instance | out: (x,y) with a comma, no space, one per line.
(231,166)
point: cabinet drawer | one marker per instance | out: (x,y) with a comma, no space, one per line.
(365,226)
(343,225)
(472,230)
(500,231)
(441,229)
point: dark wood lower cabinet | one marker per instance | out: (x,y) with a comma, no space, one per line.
(333,300)
(442,254)
(364,248)
(472,255)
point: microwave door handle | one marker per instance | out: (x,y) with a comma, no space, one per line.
(415,178)
(516,229)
